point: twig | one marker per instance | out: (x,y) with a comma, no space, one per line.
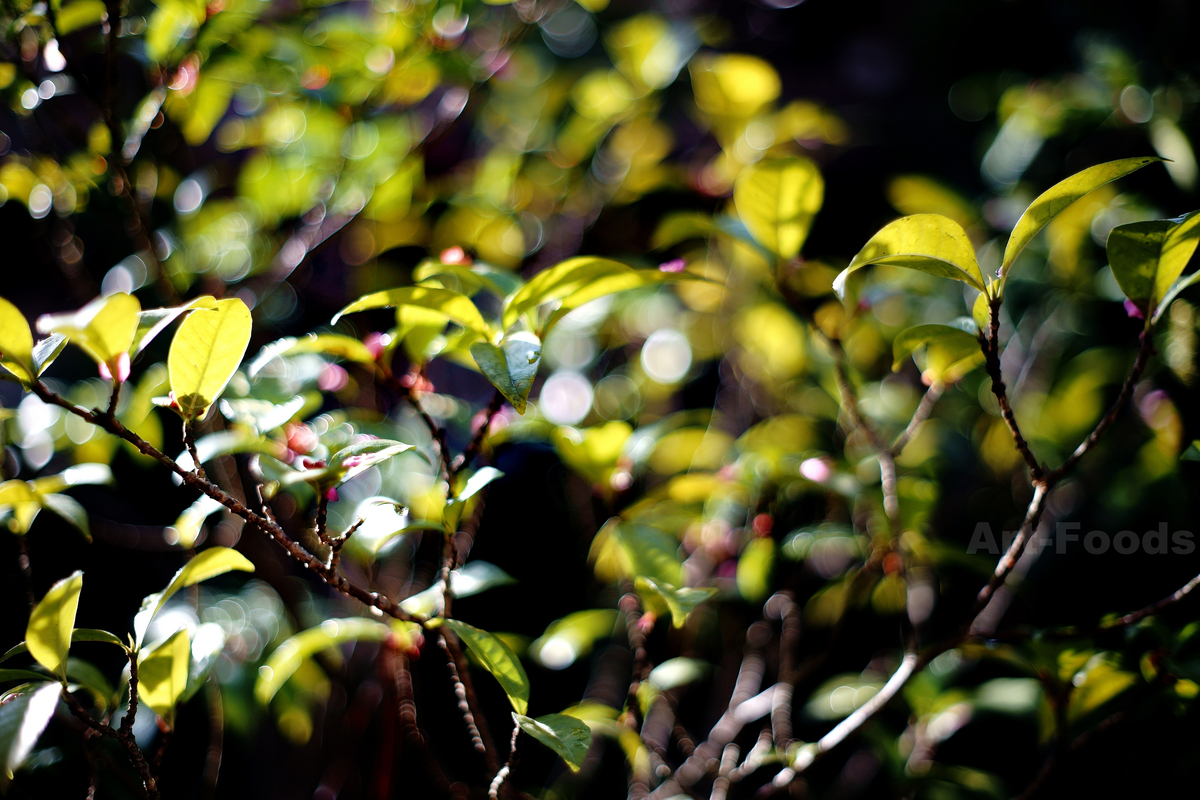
(123,736)
(991,352)
(494,789)
(476,727)
(473,448)
(336,544)
(322,515)
(924,409)
(115,397)
(263,523)
(189,441)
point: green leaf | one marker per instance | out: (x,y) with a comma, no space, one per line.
(223,443)
(187,526)
(952,350)
(22,720)
(1055,200)
(89,677)
(329,344)
(511,366)
(207,564)
(163,673)
(679,226)
(572,637)
(45,351)
(454,305)
(104,328)
(679,602)
(288,657)
(1147,258)
(16,342)
(48,636)
(497,659)
(206,351)
(77,635)
(777,201)
(476,577)
(479,479)
(154,321)
(24,675)
(926,242)
(612,284)
(349,462)
(70,510)
(558,282)
(567,736)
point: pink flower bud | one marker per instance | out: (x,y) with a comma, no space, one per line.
(376,343)
(454,255)
(122,369)
(674,265)
(1133,310)
(331,495)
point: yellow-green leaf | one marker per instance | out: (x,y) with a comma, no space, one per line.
(48,636)
(496,659)
(155,320)
(330,344)
(571,637)
(22,720)
(567,736)
(206,351)
(612,284)
(163,673)
(288,657)
(679,602)
(926,242)
(104,328)
(80,14)
(456,306)
(558,282)
(1055,200)
(207,564)
(952,350)
(16,342)
(777,201)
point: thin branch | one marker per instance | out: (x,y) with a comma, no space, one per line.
(337,543)
(322,516)
(115,397)
(1033,516)
(189,441)
(453,657)
(464,460)
(124,737)
(924,409)
(494,789)
(263,523)
(991,352)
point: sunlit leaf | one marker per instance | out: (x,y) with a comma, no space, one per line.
(676,672)
(497,659)
(104,328)
(567,736)
(349,462)
(16,342)
(287,658)
(479,479)
(262,416)
(925,242)
(163,673)
(206,351)
(329,344)
(679,602)
(456,306)
(476,577)
(207,564)
(1055,200)
(22,720)
(610,284)
(77,475)
(77,635)
(558,282)
(48,636)
(45,351)
(70,510)
(571,637)
(953,349)
(777,201)
(80,14)
(187,526)
(511,366)
(754,569)
(154,321)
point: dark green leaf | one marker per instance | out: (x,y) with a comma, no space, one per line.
(511,366)
(498,659)
(567,736)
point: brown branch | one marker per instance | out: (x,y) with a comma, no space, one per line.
(494,789)
(322,516)
(924,409)
(437,432)
(263,523)
(990,345)
(476,726)
(464,459)
(125,737)
(189,441)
